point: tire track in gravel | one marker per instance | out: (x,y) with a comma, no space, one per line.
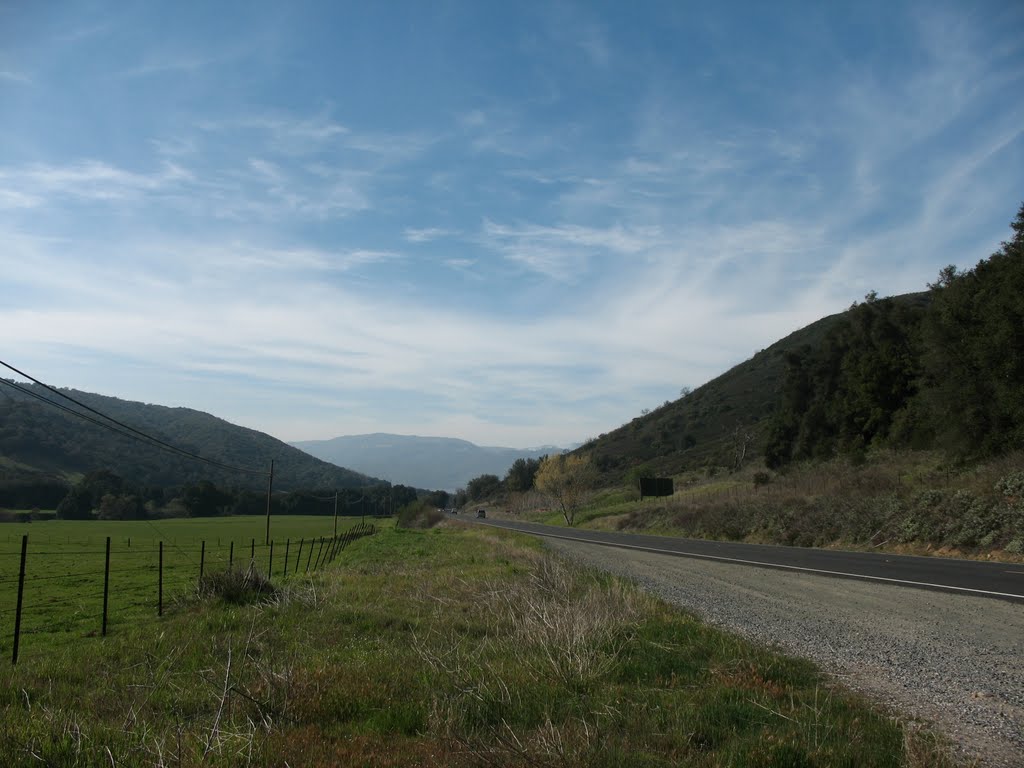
(952,659)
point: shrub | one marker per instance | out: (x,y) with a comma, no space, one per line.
(761,478)
(418,514)
(1011,486)
(237,586)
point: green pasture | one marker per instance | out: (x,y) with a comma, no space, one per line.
(63,595)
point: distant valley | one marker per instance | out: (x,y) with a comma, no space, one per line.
(441,463)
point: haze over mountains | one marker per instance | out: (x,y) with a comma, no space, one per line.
(441,463)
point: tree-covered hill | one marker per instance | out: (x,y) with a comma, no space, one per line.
(942,369)
(39,444)
(708,425)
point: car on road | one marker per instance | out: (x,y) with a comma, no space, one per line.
(481,513)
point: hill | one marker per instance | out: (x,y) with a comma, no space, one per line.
(728,415)
(40,444)
(442,463)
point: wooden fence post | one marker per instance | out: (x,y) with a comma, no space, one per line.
(298,557)
(202,560)
(270,561)
(252,553)
(287,546)
(231,556)
(21,594)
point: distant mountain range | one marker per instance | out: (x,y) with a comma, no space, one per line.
(40,443)
(436,463)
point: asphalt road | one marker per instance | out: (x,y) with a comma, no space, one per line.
(972,577)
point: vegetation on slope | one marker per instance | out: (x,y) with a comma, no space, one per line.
(42,445)
(946,374)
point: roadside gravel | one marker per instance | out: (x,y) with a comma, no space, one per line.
(954,660)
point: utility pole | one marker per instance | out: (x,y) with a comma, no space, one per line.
(270,490)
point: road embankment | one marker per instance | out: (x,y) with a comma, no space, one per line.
(952,657)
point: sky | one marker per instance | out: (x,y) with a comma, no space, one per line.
(519,224)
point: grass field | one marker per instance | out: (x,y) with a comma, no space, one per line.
(456,646)
(63,597)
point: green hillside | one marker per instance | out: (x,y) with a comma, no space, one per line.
(39,444)
(701,428)
(941,370)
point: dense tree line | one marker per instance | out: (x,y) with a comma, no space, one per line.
(105,495)
(940,369)
(519,478)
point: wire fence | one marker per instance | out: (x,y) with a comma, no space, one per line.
(75,589)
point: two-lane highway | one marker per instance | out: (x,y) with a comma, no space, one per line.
(988,579)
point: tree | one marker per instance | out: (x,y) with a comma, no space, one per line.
(205,499)
(974,358)
(483,487)
(521,475)
(567,480)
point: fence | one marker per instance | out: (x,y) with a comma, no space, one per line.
(65,588)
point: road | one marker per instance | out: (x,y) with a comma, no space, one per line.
(985,579)
(934,639)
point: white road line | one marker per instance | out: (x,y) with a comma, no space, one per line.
(770,565)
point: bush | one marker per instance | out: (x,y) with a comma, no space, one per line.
(1011,486)
(237,586)
(419,514)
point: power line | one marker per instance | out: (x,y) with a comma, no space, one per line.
(131,431)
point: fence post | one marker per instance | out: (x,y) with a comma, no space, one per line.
(298,557)
(318,553)
(202,560)
(231,556)
(270,562)
(287,546)
(21,594)
(252,553)
(106,586)
(309,557)
(160,584)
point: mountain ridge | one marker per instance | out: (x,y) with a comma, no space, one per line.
(434,462)
(41,443)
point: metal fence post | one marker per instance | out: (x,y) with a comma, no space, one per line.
(21,594)
(160,583)
(106,586)
(287,546)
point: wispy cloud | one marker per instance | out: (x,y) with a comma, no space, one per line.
(427,234)
(11,76)
(89,180)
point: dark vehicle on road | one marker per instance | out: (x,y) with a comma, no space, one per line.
(481,513)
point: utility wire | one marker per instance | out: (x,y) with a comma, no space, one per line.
(137,434)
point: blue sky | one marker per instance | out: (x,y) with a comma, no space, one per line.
(515,223)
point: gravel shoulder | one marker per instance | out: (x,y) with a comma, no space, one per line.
(954,660)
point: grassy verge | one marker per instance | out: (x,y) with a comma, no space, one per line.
(902,502)
(453,646)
